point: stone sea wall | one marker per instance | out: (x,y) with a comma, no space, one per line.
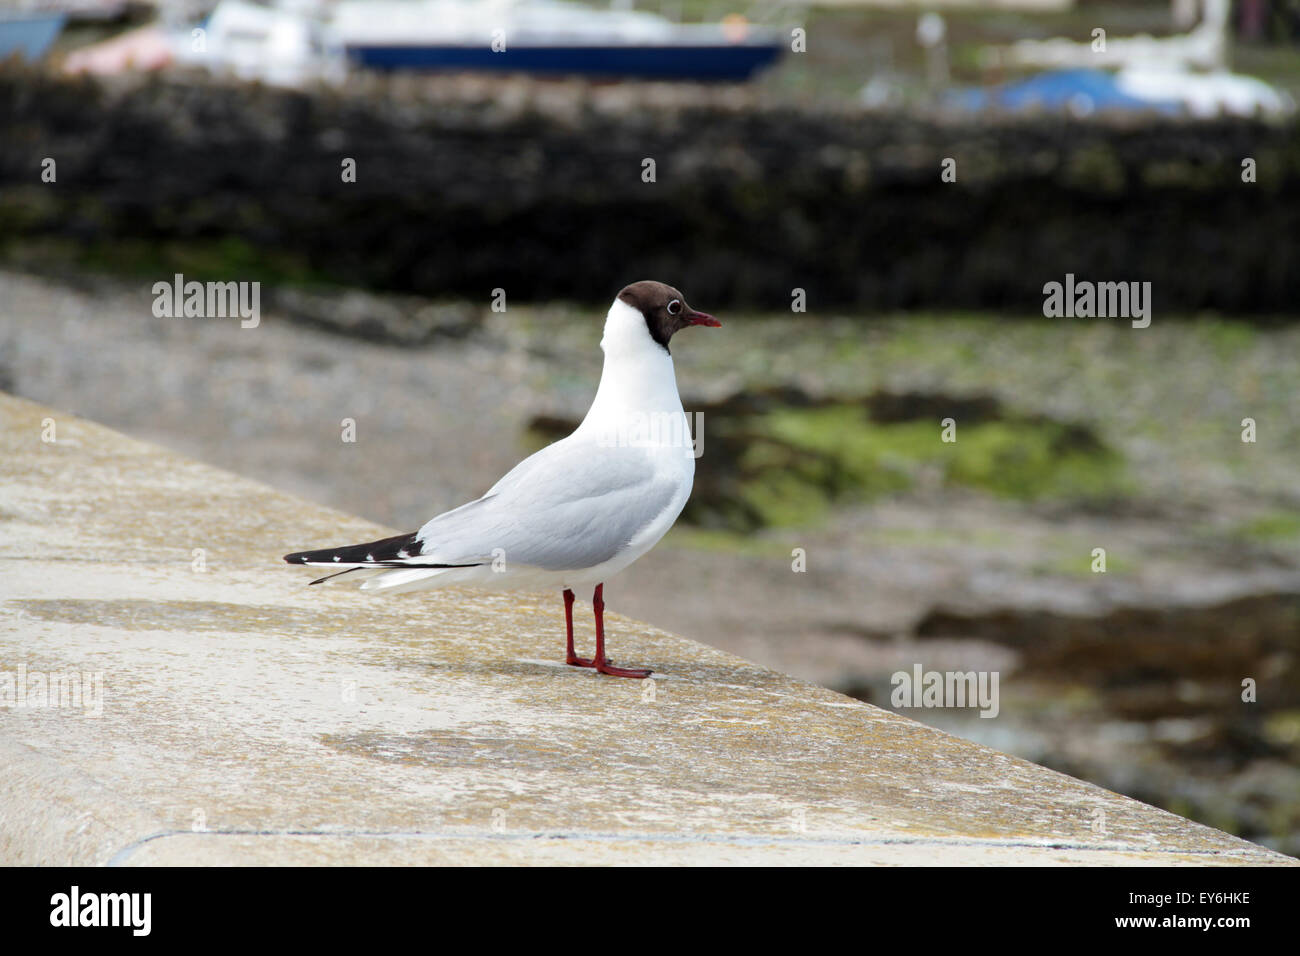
(463,187)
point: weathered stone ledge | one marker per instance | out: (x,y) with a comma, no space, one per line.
(247,719)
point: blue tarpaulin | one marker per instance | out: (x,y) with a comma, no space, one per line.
(1076,91)
(29,36)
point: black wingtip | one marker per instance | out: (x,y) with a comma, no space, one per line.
(397,548)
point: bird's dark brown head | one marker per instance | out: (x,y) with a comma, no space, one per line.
(664,308)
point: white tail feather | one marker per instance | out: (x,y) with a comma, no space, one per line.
(405,579)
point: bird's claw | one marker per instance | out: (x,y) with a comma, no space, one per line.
(582,661)
(612,671)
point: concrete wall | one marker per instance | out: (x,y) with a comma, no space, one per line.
(232,715)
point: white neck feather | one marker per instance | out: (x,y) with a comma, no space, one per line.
(638,376)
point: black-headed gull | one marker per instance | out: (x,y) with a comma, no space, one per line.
(579,511)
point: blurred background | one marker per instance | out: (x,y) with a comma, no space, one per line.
(870,195)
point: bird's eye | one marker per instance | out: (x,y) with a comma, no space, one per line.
(674,307)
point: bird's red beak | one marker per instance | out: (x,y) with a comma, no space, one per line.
(702,318)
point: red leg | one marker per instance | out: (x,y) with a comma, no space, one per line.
(602,662)
(571,657)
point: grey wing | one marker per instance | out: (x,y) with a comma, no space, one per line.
(569,506)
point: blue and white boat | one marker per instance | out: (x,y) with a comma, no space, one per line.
(548,37)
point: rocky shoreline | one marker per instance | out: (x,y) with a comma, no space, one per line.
(534,187)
